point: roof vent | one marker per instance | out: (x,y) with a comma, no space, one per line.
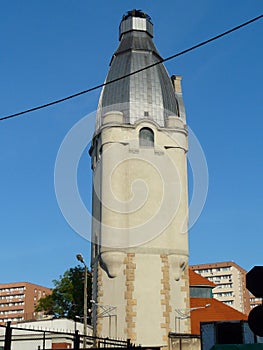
(136,13)
(136,20)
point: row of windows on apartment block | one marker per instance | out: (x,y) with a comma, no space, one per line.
(9,297)
(223,294)
(20,296)
(220,278)
(12,319)
(255,299)
(224,285)
(18,289)
(215,269)
(17,315)
(10,312)
(12,304)
(12,289)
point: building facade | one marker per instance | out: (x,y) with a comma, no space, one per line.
(140,194)
(230,279)
(45,334)
(18,301)
(205,308)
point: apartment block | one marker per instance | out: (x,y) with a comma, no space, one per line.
(18,301)
(230,279)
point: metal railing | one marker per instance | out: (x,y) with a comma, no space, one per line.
(16,337)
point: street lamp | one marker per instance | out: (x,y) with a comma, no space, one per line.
(185,313)
(85,311)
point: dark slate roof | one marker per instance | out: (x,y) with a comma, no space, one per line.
(148,94)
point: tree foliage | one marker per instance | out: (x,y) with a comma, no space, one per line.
(67,297)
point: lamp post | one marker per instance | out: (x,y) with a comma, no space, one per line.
(185,313)
(85,310)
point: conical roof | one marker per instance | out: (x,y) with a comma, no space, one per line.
(145,95)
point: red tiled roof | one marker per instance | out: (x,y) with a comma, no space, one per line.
(197,280)
(217,311)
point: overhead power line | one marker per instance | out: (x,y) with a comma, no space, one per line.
(135,72)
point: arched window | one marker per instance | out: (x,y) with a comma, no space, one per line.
(146,137)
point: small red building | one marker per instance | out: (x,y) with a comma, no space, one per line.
(204,308)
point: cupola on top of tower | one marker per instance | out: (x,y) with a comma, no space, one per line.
(136,20)
(148,94)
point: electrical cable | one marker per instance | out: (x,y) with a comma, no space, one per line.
(135,72)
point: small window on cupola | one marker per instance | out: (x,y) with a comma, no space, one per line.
(146,137)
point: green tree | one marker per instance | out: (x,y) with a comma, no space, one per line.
(67,299)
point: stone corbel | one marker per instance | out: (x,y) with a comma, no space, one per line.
(111,262)
(177,264)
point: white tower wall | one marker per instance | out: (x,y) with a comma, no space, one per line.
(142,232)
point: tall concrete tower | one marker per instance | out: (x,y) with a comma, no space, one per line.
(140,198)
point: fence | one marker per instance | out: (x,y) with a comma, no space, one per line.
(19,338)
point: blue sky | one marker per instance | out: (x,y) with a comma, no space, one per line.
(51,49)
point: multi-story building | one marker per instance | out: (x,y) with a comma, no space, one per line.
(18,301)
(230,279)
